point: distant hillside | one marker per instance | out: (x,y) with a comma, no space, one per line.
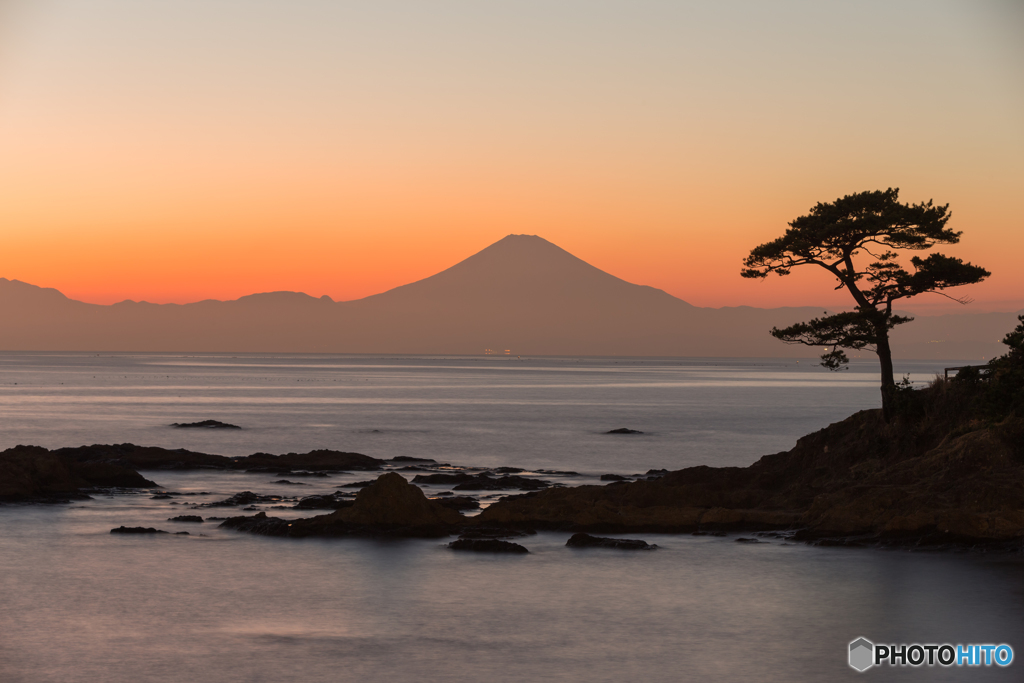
(521,294)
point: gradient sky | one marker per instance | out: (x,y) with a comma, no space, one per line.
(177,150)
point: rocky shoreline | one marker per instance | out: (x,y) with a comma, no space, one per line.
(858,482)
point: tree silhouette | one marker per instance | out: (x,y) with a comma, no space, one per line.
(836,237)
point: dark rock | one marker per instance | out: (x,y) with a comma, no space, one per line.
(186,518)
(588,541)
(290,483)
(900,484)
(623,430)
(509,470)
(484,483)
(259,524)
(459,502)
(245,498)
(161,496)
(390,506)
(182,533)
(613,477)
(332,501)
(463,481)
(488,545)
(35,473)
(136,530)
(357,484)
(205,424)
(147,457)
(456,478)
(407,458)
(322,460)
(747,540)
(393,502)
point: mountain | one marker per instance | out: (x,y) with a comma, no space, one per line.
(521,294)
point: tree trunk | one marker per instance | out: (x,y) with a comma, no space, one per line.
(888,383)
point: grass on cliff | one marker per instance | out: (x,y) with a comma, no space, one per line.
(989,397)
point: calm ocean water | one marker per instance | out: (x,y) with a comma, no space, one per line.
(77,604)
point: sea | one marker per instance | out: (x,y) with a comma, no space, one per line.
(78,604)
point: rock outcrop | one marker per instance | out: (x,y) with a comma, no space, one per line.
(588,541)
(391,506)
(156,458)
(205,424)
(323,460)
(33,472)
(463,481)
(487,545)
(900,483)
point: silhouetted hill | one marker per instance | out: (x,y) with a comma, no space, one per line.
(522,294)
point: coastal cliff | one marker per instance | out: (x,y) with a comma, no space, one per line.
(858,477)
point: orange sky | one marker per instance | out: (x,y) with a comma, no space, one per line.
(190,150)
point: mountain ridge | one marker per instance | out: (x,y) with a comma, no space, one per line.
(521,295)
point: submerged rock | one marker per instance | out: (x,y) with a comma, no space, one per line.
(136,530)
(588,541)
(205,424)
(624,430)
(487,545)
(186,518)
(245,498)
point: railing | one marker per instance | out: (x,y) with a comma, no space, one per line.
(982,370)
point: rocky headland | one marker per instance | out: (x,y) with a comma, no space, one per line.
(860,480)
(937,476)
(947,470)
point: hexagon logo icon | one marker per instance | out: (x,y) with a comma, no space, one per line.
(862,654)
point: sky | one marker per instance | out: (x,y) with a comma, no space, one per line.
(178,150)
